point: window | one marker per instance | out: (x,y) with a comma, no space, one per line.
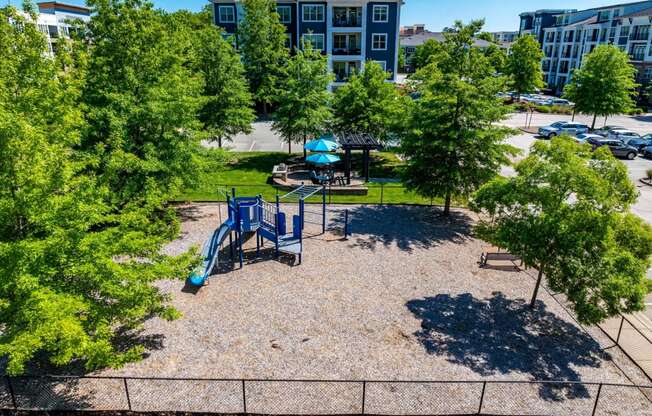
(383,64)
(380,14)
(379,41)
(313,12)
(316,40)
(227,14)
(285,13)
(647,75)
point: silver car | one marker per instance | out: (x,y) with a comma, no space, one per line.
(563,127)
(623,135)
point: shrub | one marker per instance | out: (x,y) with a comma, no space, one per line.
(649,174)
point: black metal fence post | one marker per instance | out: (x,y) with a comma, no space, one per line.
(620,330)
(124,380)
(484,388)
(597,398)
(364,395)
(11,392)
(244,398)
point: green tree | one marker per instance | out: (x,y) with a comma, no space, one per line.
(304,99)
(497,57)
(228,109)
(604,85)
(263,45)
(524,66)
(72,270)
(142,99)
(566,214)
(369,104)
(426,53)
(452,145)
(487,36)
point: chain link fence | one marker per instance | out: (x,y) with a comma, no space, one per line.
(323,397)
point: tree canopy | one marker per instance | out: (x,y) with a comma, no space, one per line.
(426,53)
(73,269)
(262,41)
(567,214)
(605,84)
(369,104)
(524,65)
(304,99)
(452,145)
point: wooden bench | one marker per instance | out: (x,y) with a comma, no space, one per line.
(498,256)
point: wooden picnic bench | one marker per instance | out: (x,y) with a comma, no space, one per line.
(497,255)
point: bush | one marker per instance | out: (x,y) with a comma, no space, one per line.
(636,111)
(649,174)
(648,284)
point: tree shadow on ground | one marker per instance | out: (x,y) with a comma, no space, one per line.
(500,336)
(407,227)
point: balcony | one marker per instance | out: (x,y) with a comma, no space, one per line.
(347,16)
(343,70)
(347,44)
(639,36)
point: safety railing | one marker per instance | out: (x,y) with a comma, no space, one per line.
(324,397)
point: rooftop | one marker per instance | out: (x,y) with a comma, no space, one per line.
(52,7)
(419,39)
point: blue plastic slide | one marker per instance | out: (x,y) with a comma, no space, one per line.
(210,254)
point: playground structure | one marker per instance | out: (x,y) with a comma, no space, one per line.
(253,216)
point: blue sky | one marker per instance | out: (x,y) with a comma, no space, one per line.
(437,14)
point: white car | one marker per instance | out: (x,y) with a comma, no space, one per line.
(623,135)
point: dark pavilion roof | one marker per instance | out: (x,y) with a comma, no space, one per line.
(357,141)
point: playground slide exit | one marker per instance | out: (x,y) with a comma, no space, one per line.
(210,254)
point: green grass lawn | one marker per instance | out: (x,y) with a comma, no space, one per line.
(250,174)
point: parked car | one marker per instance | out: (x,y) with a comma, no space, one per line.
(623,135)
(557,102)
(604,131)
(562,127)
(584,137)
(640,142)
(647,152)
(618,147)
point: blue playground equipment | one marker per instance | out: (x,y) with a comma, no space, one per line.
(248,216)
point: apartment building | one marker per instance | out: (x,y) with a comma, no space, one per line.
(575,34)
(349,32)
(54,20)
(534,23)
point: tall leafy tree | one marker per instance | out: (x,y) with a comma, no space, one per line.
(143,99)
(228,109)
(304,99)
(426,53)
(262,41)
(452,145)
(567,214)
(369,104)
(73,271)
(497,57)
(524,66)
(604,85)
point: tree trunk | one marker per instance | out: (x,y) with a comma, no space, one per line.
(305,153)
(447,205)
(573,119)
(536,289)
(219,141)
(595,116)
(265,109)
(290,146)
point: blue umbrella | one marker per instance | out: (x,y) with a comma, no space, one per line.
(321,145)
(321,159)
